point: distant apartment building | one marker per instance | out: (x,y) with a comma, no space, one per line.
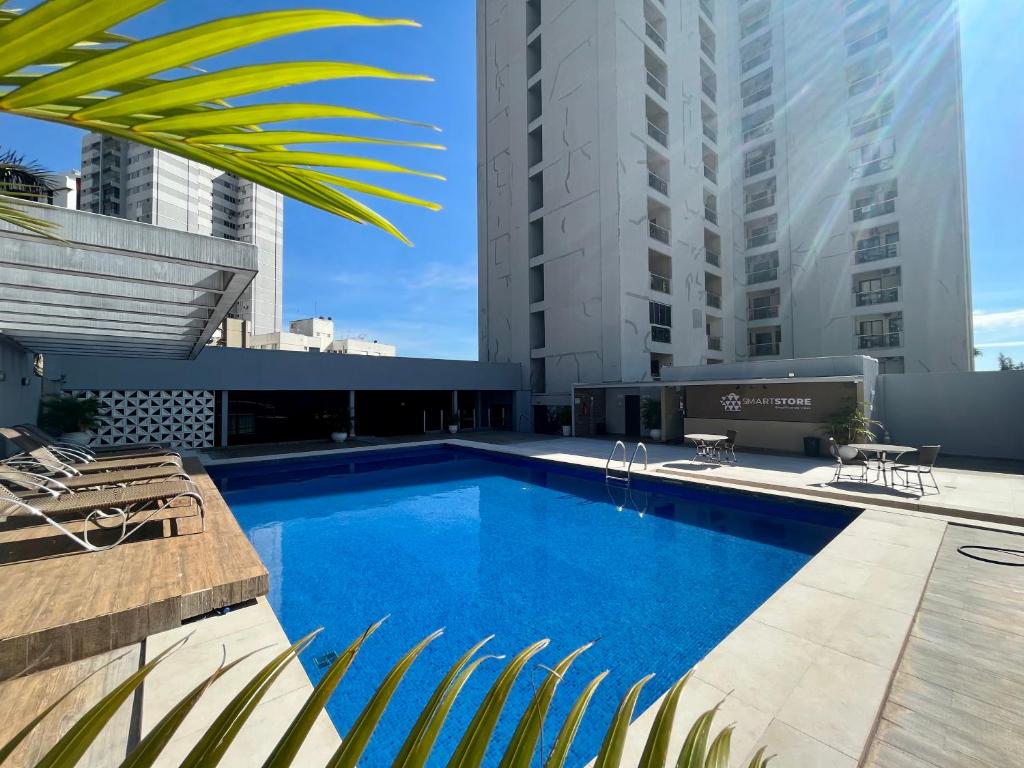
(685,182)
(132,181)
(316,334)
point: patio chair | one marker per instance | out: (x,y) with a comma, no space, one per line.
(926,458)
(31,482)
(107,509)
(847,458)
(86,453)
(41,460)
(729,446)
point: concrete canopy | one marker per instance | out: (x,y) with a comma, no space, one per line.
(111,287)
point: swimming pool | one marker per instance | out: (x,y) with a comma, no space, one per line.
(480,543)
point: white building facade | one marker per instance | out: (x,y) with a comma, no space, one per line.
(684,182)
(132,181)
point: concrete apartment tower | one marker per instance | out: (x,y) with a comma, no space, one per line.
(680,182)
(133,181)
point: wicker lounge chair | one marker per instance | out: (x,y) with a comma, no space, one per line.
(107,509)
(90,452)
(40,459)
(32,482)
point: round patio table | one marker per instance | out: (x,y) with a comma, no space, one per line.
(882,451)
(707,445)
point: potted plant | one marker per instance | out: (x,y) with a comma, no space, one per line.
(453,423)
(650,411)
(565,418)
(851,424)
(340,428)
(72,417)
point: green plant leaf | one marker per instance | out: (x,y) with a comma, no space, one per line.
(334,161)
(433,709)
(165,52)
(73,744)
(521,747)
(692,753)
(218,737)
(610,755)
(358,736)
(718,754)
(262,138)
(473,745)
(759,760)
(238,81)
(290,743)
(656,750)
(255,114)
(571,724)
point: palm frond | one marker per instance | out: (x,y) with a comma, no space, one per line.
(478,737)
(60,62)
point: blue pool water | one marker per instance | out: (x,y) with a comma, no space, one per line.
(482,544)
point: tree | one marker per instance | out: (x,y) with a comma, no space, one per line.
(24,181)
(1007,363)
(59,62)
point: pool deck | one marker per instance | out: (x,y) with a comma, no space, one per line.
(821,672)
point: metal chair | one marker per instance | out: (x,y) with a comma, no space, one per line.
(846,458)
(926,458)
(729,446)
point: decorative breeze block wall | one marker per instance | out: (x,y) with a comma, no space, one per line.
(181,418)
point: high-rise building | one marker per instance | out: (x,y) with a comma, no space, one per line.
(678,182)
(133,181)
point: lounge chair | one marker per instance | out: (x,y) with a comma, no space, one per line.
(41,460)
(847,458)
(927,455)
(92,453)
(31,482)
(107,509)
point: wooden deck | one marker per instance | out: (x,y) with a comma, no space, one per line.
(957,700)
(61,604)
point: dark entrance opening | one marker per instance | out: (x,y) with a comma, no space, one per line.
(632,405)
(277,417)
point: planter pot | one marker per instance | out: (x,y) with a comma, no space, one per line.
(655,434)
(82,438)
(453,428)
(339,437)
(566,431)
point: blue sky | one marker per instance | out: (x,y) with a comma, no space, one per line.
(424,298)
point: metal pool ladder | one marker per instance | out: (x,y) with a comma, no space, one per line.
(623,473)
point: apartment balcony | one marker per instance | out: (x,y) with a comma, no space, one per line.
(659,233)
(708,49)
(708,89)
(715,343)
(654,36)
(757,131)
(867,41)
(710,214)
(876,253)
(878,296)
(713,300)
(755,61)
(655,84)
(873,210)
(660,135)
(710,132)
(708,8)
(865,84)
(760,201)
(762,93)
(710,174)
(763,313)
(870,124)
(764,275)
(875,166)
(712,258)
(661,334)
(761,238)
(759,166)
(753,26)
(763,350)
(655,182)
(660,283)
(879,340)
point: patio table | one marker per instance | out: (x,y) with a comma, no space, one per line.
(707,445)
(882,451)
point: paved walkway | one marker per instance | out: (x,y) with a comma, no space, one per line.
(957,700)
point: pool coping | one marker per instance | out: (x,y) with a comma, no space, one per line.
(807,673)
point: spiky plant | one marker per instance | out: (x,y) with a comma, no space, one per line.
(699,749)
(23,180)
(60,62)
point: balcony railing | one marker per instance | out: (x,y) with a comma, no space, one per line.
(661,334)
(756,60)
(654,181)
(708,49)
(708,9)
(660,283)
(878,296)
(715,343)
(871,210)
(761,238)
(872,167)
(762,129)
(713,300)
(867,41)
(711,133)
(712,258)
(758,166)
(756,96)
(711,214)
(762,275)
(660,135)
(656,85)
(867,83)
(870,124)
(659,233)
(760,201)
(759,23)
(708,88)
(879,340)
(710,174)
(763,313)
(655,36)
(760,350)
(876,253)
